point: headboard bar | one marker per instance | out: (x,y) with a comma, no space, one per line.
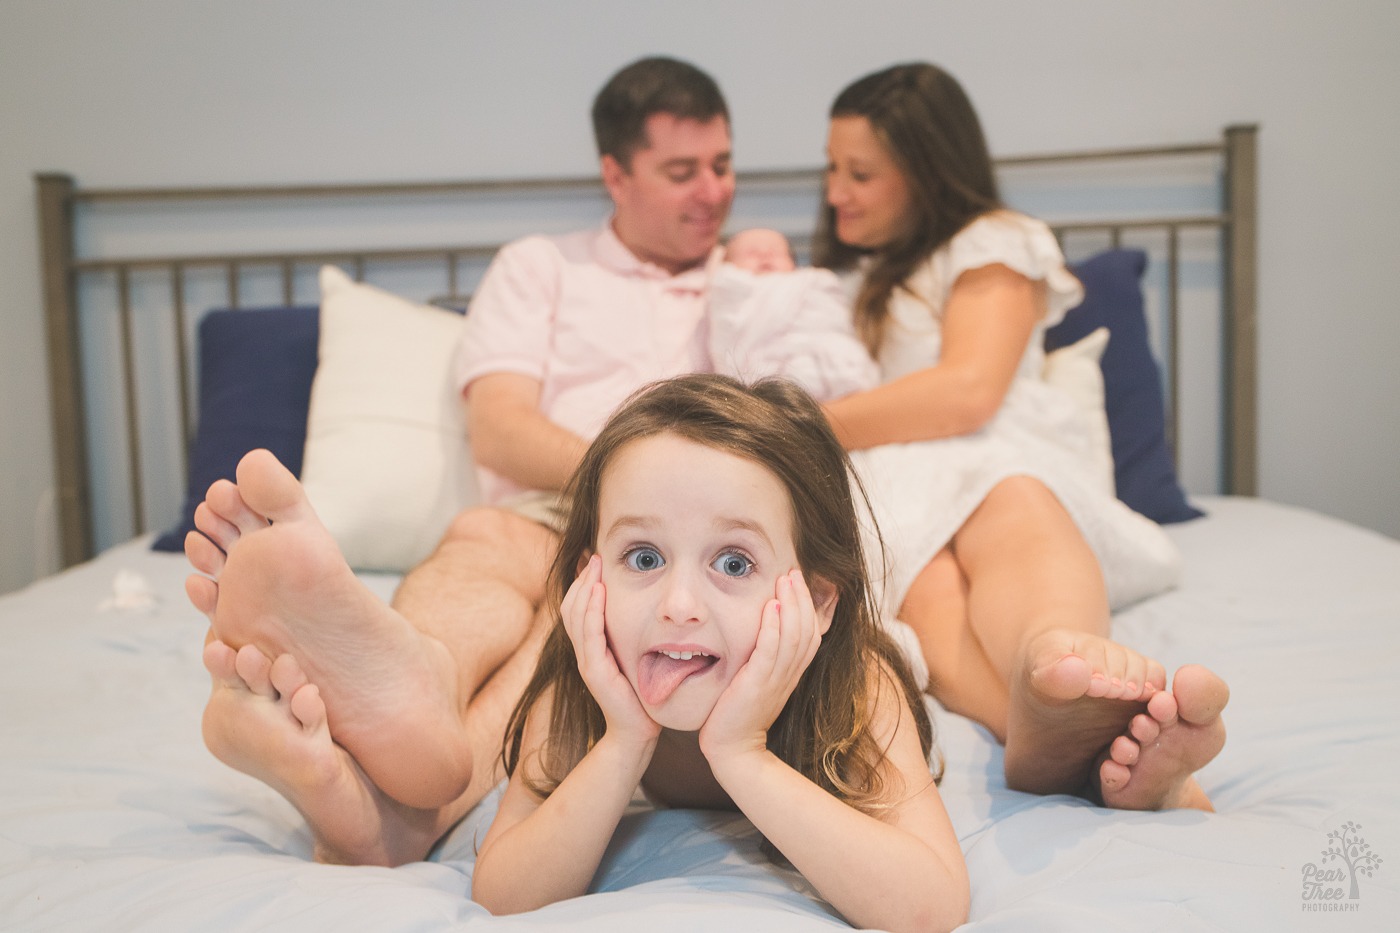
(55,197)
(1241,196)
(559,183)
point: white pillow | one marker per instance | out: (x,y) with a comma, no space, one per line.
(1074,369)
(387,463)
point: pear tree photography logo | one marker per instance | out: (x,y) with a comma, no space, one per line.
(1334,883)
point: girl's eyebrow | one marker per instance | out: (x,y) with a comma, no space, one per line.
(624,522)
(743,524)
(642,523)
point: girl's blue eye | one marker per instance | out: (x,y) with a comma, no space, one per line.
(732,564)
(644,559)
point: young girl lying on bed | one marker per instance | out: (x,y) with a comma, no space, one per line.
(717,647)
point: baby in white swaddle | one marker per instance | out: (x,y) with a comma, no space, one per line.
(769,318)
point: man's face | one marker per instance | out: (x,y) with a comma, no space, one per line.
(672,203)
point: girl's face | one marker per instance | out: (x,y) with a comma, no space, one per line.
(864,186)
(692,541)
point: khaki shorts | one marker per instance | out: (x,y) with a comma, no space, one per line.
(550,509)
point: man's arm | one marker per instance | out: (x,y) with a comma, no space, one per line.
(511,437)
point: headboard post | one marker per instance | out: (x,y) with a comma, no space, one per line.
(1241,197)
(55,196)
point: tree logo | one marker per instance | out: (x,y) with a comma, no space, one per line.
(1346,858)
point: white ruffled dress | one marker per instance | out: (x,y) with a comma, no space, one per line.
(922,493)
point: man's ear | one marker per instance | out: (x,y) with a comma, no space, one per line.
(613,173)
(824,598)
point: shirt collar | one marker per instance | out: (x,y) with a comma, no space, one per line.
(613,253)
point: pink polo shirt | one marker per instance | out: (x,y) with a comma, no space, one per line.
(589,320)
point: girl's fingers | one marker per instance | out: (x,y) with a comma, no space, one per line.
(799,617)
(594,616)
(579,603)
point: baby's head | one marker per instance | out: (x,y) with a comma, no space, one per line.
(760,250)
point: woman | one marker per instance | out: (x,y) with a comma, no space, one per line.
(999,534)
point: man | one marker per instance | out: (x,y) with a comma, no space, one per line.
(382,723)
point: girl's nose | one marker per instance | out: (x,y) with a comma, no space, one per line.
(680,603)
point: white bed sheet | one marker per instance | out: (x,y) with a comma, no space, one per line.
(114,817)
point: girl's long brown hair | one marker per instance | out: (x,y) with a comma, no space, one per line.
(824,731)
(924,119)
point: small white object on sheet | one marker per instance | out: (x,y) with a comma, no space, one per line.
(130,592)
(113,816)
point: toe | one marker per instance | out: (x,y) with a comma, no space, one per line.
(308,708)
(256,670)
(1201,694)
(219,662)
(1112,775)
(1124,751)
(203,594)
(222,532)
(204,555)
(226,500)
(1144,728)
(1162,708)
(286,675)
(270,488)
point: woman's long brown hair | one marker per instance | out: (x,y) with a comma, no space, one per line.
(924,119)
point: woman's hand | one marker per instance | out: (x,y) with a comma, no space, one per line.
(788,635)
(584,621)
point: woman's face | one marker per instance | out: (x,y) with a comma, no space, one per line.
(864,186)
(693,541)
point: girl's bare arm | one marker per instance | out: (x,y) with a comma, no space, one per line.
(903,871)
(541,851)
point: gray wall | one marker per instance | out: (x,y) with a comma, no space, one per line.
(150,92)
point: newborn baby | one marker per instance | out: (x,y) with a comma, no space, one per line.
(769,318)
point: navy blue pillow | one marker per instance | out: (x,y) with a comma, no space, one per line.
(255,372)
(1143,467)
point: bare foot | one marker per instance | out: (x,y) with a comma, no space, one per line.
(1072,695)
(1152,767)
(279,582)
(265,719)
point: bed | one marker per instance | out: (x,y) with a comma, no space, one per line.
(114,817)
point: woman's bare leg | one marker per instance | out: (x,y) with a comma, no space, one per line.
(1035,605)
(961,676)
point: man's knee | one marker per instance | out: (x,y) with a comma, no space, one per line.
(497,528)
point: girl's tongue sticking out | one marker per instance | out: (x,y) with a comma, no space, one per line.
(661,672)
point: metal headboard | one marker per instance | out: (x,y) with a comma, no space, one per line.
(62,205)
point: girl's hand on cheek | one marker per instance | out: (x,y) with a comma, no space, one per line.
(584,621)
(788,637)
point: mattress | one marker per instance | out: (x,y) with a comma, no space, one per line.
(113,816)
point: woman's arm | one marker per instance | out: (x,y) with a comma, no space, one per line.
(987,324)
